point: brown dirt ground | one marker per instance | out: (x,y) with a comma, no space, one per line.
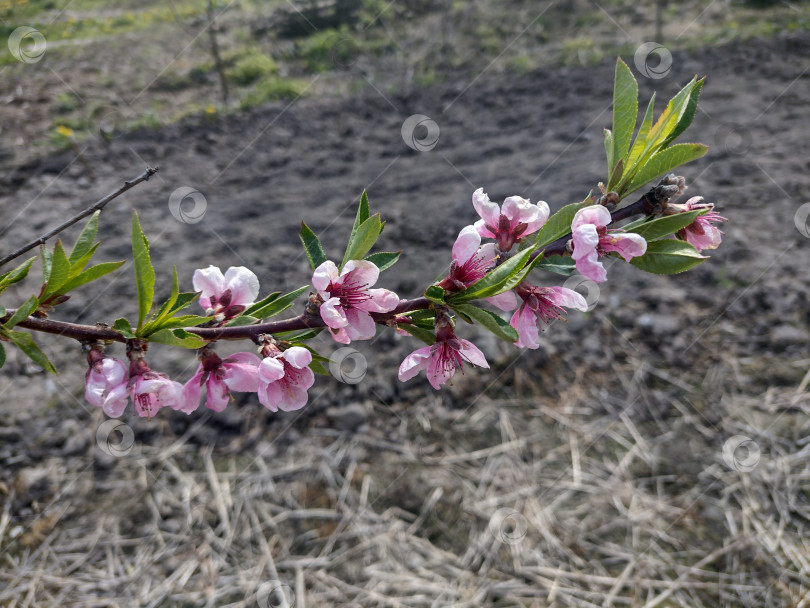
(604,447)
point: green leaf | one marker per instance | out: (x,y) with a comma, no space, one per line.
(625,110)
(435,294)
(23,312)
(688,113)
(123,327)
(18,274)
(663,162)
(559,224)
(144,271)
(60,270)
(307,334)
(89,275)
(615,176)
(494,282)
(668,256)
(363,239)
(419,333)
(86,238)
(384,259)
(242,320)
(77,266)
(641,137)
(558,264)
(26,343)
(664,226)
(46,257)
(277,305)
(165,310)
(609,148)
(312,246)
(2,355)
(262,303)
(363,213)
(490,320)
(177,337)
(318,368)
(667,123)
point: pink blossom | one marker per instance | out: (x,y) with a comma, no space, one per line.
(442,359)
(106,383)
(701,233)
(284,379)
(226,296)
(347,299)
(152,390)
(516,218)
(592,239)
(538,305)
(471,261)
(238,372)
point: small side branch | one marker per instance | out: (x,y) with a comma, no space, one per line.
(100,204)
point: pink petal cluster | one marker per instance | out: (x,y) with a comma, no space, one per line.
(592,239)
(702,233)
(284,379)
(442,359)
(226,296)
(238,372)
(507,224)
(471,260)
(106,383)
(347,299)
(537,305)
(151,390)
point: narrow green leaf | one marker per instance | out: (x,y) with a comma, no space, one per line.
(2,312)
(609,149)
(668,256)
(688,114)
(307,334)
(177,337)
(490,320)
(384,259)
(262,303)
(435,294)
(86,238)
(419,333)
(664,226)
(318,368)
(60,270)
(616,176)
(663,162)
(18,274)
(559,224)
(558,264)
(641,137)
(668,121)
(123,327)
(77,266)
(2,355)
(242,320)
(277,305)
(494,282)
(312,246)
(165,310)
(144,271)
(22,313)
(26,343)
(91,274)
(46,258)
(625,110)
(363,240)
(363,213)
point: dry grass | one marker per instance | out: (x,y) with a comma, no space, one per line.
(582,497)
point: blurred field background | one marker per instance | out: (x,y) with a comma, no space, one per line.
(652,452)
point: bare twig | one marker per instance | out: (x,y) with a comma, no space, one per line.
(100,204)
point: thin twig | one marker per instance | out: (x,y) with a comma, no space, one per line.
(150,171)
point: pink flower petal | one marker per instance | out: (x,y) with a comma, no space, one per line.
(244,285)
(591,268)
(116,401)
(506,301)
(361,325)
(380,300)
(439,369)
(242,372)
(414,363)
(568,298)
(585,239)
(293,399)
(324,274)
(270,396)
(297,356)
(192,390)
(539,220)
(628,245)
(488,211)
(593,214)
(525,323)
(217,395)
(471,353)
(271,369)
(360,272)
(333,314)
(481,227)
(210,282)
(466,244)
(487,253)
(710,239)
